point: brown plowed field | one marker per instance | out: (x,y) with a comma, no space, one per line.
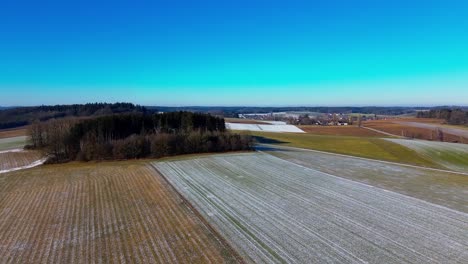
(398,127)
(341,131)
(7,133)
(101,213)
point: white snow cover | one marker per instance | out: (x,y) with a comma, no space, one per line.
(267,128)
(11,150)
(275,211)
(444,153)
(34,164)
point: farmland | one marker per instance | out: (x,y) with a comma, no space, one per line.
(452,130)
(243,121)
(264,127)
(17,132)
(109,212)
(18,158)
(439,187)
(374,148)
(424,129)
(276,211)
(340,131)
(450,155)
(12,142)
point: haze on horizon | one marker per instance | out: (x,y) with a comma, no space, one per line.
(266,53)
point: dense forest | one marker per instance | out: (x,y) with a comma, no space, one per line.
(451,116)
(135,135)
(20,116)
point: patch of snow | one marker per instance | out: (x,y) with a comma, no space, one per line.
(267,128)
(11,150)
(34,164)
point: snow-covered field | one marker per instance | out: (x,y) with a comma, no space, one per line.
(266,127)
(439,187)
(450,155)
(273,210)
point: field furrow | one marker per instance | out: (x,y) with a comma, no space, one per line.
(439,187)
(110,212)
(273,210)
(18,158)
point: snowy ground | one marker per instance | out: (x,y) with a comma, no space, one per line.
(435,186)
(31,165)
(453,156)
(274,211)
(266,128)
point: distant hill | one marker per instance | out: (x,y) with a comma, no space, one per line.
(7,107)
(20,116)
(233,111)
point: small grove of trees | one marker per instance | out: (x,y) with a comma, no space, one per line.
(451,116)
(135,135)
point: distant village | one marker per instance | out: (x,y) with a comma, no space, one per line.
(312,118)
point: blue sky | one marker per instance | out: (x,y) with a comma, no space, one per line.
(234,52)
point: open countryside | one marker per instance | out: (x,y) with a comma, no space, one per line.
(341,194)
(206,132)
(112,212)
(276,211)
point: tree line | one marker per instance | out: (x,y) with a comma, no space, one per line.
(134,135)
(234,111)
(451,116)
(20,116)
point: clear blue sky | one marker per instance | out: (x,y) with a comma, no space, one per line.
(234,52)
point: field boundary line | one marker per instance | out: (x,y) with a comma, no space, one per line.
(383,132)
(367,185)
(361,158)
(205,222)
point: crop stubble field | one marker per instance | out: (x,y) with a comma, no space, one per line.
(111,212)
(340,131)
(420,128)
(15,159)
(273,210)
